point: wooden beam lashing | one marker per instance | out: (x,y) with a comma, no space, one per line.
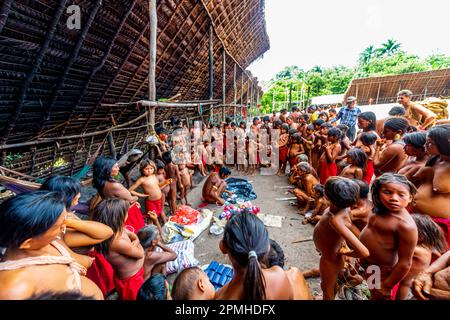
(152,61)
(211,63)
(36,66)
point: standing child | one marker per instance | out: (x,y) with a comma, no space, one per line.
(308,141)
(333,230)
(283,149)
(185,181)
(360,211)
(368,140)
(122,250)
(295,148)
(391,233)
(327,162)
(161,175)
(173,173)
(356,159)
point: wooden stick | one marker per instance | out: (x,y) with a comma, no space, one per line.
(303,240)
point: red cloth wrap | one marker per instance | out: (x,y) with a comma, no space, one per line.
(128,288)
(101,273)
(293,162)
(283,151)
(154,205)
(326,170)
(370,171)
(445,226)
(135,218)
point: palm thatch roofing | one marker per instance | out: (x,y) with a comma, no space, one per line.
(61,82)
(384,89)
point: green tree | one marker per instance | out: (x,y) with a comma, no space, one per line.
(390,47)
(368,54)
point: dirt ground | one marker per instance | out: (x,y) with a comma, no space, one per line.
(302,255)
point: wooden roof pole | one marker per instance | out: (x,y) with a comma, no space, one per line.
(152,60)
(234,91)
(36,65)
(224,85)
(211,63)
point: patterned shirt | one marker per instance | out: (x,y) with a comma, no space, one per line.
(348,116)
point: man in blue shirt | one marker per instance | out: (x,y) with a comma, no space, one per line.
(349,115)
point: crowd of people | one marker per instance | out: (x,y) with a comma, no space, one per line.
(378,199)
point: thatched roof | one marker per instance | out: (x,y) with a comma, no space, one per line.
(57,81)
(384,89)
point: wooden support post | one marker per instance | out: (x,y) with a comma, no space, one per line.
(152,61)
(33,161)
(378,93)
(112,146)
(234,91)
(211,63)
(224,79)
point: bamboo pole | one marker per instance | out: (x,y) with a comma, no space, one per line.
(224,64)
(152,61)
(234,91)
(211,62)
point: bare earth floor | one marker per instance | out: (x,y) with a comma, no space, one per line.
(302,255)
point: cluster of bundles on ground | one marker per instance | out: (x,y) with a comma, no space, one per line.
(242,191)
(438,106)
(231,209)
(219,274)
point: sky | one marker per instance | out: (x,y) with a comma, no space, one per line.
(307,33)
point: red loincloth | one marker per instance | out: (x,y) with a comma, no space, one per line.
(370,171)
(445,226)
(326,170)
(128,288)
(135,218)
(101,273)
(283,151)
(154,205)
(293,162)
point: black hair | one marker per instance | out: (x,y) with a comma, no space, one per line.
(363,188)
(310,127)
(332,110)
(182,285)
(335,132)
(228,120)
(323,113)
(233,124)
(245,233)
(371,117)
(111,212)
(277,124)
(147,234)
(320,189)
(368,138)
(412,129)
(318,122)
(305,117)
(295,109)
(60,295)
(358,156)
(397,111)
(275,256)
(396,124)
(224,171)
(153,288)
(342,192)
(416,139)
(297,137)
(159,164)
(292,132)
(28,215)
(283,110)
(266,119)
(285,127)
(69,187)
(145,163)
(167,157)
(429,232)
(379,182)
(242,123)
(101,172)
(326,125)
(441,136)
(343,128)
(255,119)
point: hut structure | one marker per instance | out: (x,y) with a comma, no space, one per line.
(384,89)
(70,91)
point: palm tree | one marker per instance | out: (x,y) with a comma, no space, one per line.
(367,55)
(389,48)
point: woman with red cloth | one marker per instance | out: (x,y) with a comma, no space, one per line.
(283,149)
(331,150)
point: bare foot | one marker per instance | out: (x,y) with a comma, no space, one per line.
(312,273)
(305,221)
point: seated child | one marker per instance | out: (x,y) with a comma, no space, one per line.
(122,250)
(154,261)
(356,159)
(152,188)
(275,257)
(333,229)
(192,284)
(391,233)
(306,182)
(431,242)
(359,212)
(320,205)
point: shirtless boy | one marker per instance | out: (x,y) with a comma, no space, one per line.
(307,181)
(152,188)
(192,284)
(391,233)
(173,173)
(320,205)
(215,185)
(333,230)
(185,181)
(360,211)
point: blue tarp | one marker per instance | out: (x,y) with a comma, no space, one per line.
(242,189)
